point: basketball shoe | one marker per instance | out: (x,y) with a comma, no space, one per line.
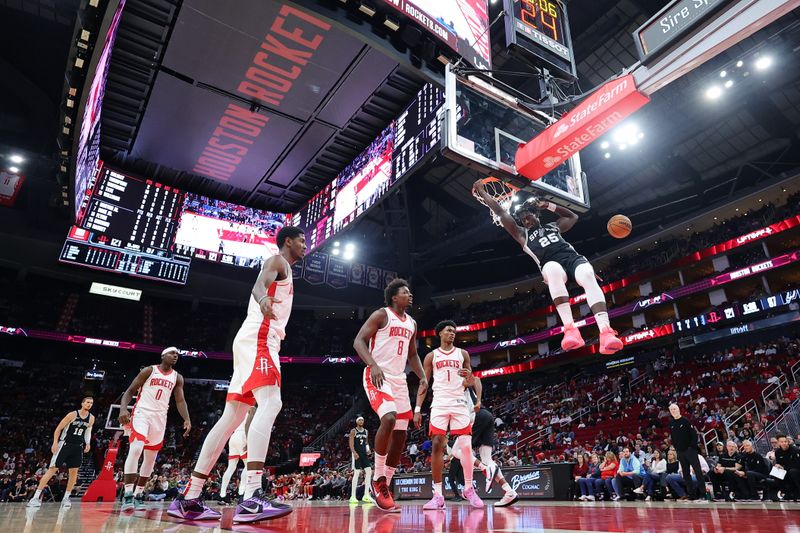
(609,343)
(572,338)
(508,499)
(259,507)
(472,496)
(193,509)
(436,503)
(383,498)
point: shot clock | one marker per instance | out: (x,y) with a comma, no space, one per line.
(540,30)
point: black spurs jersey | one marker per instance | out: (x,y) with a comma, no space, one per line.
(360,442)
(74,432)
(545,243)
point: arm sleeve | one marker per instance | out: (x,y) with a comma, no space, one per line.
(87,435)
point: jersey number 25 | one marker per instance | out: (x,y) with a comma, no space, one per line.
(547,240)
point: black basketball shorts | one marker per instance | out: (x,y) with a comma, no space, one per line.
(69,455)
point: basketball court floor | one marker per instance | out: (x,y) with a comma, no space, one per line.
(339,517)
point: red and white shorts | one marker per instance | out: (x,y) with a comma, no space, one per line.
(392,397)
(147,427)
(237,445)
(255,361)
(454,417)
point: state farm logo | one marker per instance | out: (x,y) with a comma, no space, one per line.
(561,130)
(518,479)
(754,235)
(550,161)
(640,336)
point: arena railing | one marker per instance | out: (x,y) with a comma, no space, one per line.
(347,418)
(774,391)
(750,407)
(788,422)
(795,372)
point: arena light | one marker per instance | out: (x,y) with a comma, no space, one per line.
(391,23)
(348,255)
(13,170)
(729,84)
(713,92)
(627,135)
(763,63)
(349,247)
(335,251)
(607,155)
(604,145)
(739,64)
(723,73)
(367,8)
(16,159)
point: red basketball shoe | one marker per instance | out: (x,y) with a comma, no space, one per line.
(572,338)
(383,498)
(609,343)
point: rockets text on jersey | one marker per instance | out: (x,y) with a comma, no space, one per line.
(545,242)
(283,292)
(389,345)
(448,386)
(154,395)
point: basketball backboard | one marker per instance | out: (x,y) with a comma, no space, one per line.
(484,125)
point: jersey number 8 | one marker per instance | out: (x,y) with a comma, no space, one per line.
(400,345)
(547,240)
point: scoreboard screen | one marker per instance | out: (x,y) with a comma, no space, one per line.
(418,129)
(132,213)
(541,29)
(128,227)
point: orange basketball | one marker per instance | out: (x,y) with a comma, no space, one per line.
(619,226)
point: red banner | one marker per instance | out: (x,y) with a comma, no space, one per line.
(605,108)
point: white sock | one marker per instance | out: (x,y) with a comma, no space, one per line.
(437,489)
(565,312)
(367,480)
(485,452)
(390,474)
(380,465)
(138,490)
(37,494)
(253,483)
(129,488)
(195,488)
(602,320)
(506,487)
(66,495)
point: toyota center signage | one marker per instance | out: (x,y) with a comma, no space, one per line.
(607,107)
(671,23)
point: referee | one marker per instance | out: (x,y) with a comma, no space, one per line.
(684,438)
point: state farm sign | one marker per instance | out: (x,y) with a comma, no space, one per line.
(576,130)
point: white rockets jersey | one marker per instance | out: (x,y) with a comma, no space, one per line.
(154,395)
(389,345)
(448,386)
(282,290)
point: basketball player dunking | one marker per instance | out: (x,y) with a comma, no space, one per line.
(448,366)
(359,449)
(70,441)
(237,449)
(256,380)
(148,422)
(386,341)
(556,258)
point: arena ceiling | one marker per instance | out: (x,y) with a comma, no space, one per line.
(178,66)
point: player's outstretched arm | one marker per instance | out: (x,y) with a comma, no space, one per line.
(180,403)
(427,366)
(505,217)
(376,321)
(566,217)
(274,268)
(136,384)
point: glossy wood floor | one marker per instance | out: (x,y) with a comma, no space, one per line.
(340,517)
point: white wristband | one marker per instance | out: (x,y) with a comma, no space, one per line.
(418,409)
(551,206)
(263,298)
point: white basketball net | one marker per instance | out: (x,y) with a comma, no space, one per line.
(503,194)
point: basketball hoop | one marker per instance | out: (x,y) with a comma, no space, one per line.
(502,192)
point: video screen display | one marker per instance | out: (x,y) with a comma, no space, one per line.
(354,190)
(227,233)
(88,150)
(462,24)
(128,227)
